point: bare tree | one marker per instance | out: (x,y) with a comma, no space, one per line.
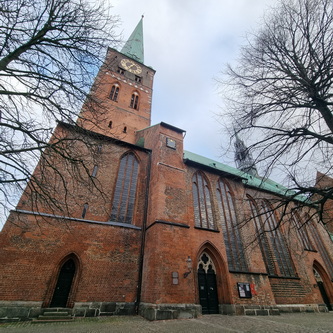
(279,95)
(50,51)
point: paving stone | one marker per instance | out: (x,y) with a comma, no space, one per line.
(291,323)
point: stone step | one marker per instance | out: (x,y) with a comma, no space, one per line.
(57,314)
(45,321)
(54,315)
(57,310)
(47,317)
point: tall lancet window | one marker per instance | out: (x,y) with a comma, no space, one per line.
(135,101)
(302,229)
(125,191)
(114,92)
(320,246)
(262,237)
(231,232)
(203,212)
(277,241)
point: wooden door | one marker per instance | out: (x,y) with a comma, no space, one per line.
(322,289)
(64,284)
(207,286)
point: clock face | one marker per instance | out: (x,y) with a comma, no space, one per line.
(130,66)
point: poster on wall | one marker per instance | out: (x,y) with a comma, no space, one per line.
(244,290)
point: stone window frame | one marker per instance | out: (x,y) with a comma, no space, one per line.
(320,246)
(278,245)
(202,202)
(114,93)
(262,237)
(231,229)
(135,98)
(302,231)
(124,196)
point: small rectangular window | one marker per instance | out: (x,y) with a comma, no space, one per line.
(170,143)
(175,278)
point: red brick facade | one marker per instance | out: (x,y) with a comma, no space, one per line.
(324,181)
(144,265)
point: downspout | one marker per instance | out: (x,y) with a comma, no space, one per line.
(143,236)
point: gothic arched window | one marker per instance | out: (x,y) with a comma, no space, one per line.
(277,241)
(125,191)
(135,101)
(302,231)
(262,238)
(231,233)
(203,213)
(114,92)
(320,246)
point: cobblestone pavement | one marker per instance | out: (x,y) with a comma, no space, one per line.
(286,323)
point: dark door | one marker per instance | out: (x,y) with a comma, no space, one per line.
(322,290)
(324,295)
(64,283)
(208,290)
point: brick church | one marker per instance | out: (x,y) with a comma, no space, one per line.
(147,227)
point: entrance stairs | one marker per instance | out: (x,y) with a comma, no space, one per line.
(50,315)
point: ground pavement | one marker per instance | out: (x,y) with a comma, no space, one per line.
(286,323)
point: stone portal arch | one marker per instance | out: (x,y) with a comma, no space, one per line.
(64,283)
(208,294)
(324,284)
(213,287)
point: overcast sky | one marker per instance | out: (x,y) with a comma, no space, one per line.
(188,43)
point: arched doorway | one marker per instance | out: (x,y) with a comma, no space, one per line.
(64,284)
(207,285)
(322,289)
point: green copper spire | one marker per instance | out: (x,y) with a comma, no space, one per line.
(134,45)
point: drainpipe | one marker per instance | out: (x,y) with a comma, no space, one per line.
(143,236)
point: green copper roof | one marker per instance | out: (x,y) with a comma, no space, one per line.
(134,45)
(247,179)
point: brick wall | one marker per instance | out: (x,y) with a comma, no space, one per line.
(323,181)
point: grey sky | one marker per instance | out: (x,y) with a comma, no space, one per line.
(188,43)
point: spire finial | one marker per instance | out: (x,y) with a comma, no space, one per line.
(243,157)
(133,48)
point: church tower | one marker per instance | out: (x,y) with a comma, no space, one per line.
(243,158)
(121,96)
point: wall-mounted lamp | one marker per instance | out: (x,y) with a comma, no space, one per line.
(189,266)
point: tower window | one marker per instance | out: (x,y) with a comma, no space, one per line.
(138,79)
(110,124)
(94,172)
(99,149)
(135,101)
(125,130)
(84,211)
(114,92)
(121,71)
